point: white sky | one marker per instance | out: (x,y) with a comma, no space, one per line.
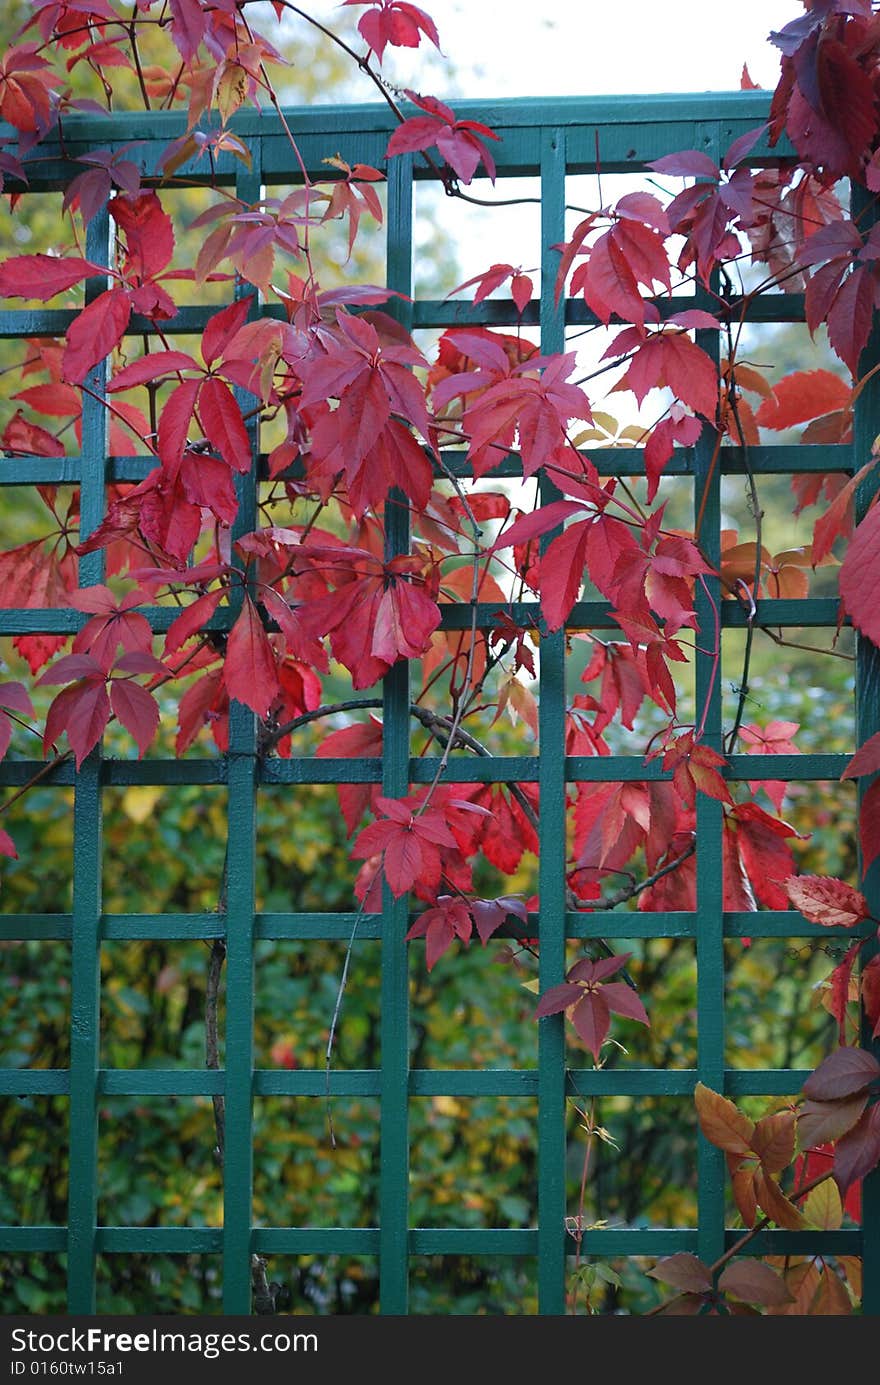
(566,48)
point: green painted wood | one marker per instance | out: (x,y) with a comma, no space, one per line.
(866,426)
(85,971)
(430,1082)
(240,874)
(598,923)
(585,615)
(551,869)
(711,1170)
(396,695)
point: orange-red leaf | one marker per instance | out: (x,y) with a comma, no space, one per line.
(801,396)
(827,901)
(773,1140)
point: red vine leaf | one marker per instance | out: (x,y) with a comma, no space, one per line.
(827,901)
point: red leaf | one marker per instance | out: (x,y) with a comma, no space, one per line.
(540,521)
(137,709)
(827,901)
(95,333)
(843,1073)
(690,163)
(249,672)
(205,701)
(419,132)
(71,669)
(394,22)
(7,845)
(754,1282)
(83,711)
(224,425)
(174,422)
(407,856)
(16,697)
(819,1121)
(149,237)
(609,285)
(684,429)
(192,619)
(869,825)
(801,396)
(690,374)
(866,759)
(857,1153)
(404,621)
(188,23)
(151,367)
(42,276)
(562,573)
(558,998)
(860,576)
(683,1271)
(222,327)
(850,316)
(591,1018)
(622,1000)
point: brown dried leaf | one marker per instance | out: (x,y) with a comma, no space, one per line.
(721,1122)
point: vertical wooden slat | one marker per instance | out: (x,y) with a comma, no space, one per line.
(866,429)
(551,877)
(85,1027)
(238,1170)
(711,1170)
(394,1027)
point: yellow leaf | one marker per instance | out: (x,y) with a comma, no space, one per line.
(231,91)
(832,1299)
(823,1206)
(139,801)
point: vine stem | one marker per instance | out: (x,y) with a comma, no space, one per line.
(757,515)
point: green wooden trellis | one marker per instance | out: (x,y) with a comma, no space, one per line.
(549,139)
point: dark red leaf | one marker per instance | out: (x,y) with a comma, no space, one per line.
(843,1073)
(869,825)
(558,998)
(691,163)
(858,1151)
(754,1282)
(860,576)
(137,709)
(683,1271)
(591,1018)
